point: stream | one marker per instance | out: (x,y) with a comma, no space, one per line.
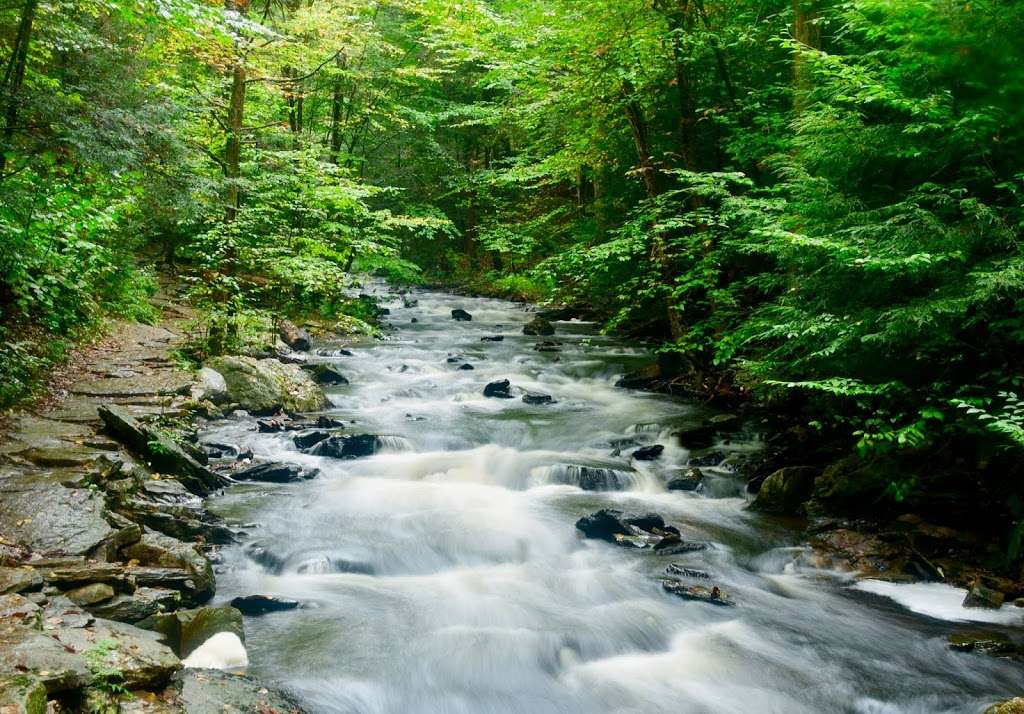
(445,573)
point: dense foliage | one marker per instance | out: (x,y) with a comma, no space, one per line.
(816,203)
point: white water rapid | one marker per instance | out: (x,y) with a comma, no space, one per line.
(444,575)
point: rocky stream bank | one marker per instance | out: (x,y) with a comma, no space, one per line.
(108,554)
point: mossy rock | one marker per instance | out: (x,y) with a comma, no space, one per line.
(185,630)
(22,694)
(1010,706)
(854,483)
(786,490)
(267,386)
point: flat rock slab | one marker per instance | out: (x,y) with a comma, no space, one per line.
(49,518)
(143,661)
(16,580)
(209,691)
(24,650)
(153,385)
(27,431)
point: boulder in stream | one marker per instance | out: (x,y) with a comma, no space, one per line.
(538,326)
(648,453)
(266,386)
(713,595)
(162,452)
(274,472)
(186,630)
(294,337)
(467,367)
(346,447)
(325,374)
(460,315)
(609,522)
(308,439)
(537,399)
(255,605)
(785,490)
(689,480)
(498,390)
(494,338)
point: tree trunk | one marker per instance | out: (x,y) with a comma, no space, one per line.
(680,22)
(336,108)
(652,184)
(807,32)
(15,76)
(638,128)
(233,150)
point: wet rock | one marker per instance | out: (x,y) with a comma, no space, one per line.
(160,551)
(712,459)
(210,386)
(162,452)
(261,554)
(206,691)
(216,450)
(22,694)
(646,378)
(685,572)
(786,490)
(19,610)
(75,573)
(185,630)
(461,315)
(272,473)
(591,478)
(852,484)
(59,612)
(538,326)
(1007,706)
(326,422)
(132,607)
(609,522)
(672,544)
(16,580)
(49,518)
(495,338)
(689,480)
(173,522)
(274,425)
(648,453)
(169,578)
(144,663)
(537,399)
(983,597)
(410,302)
(267,386)
(325,374)
(310,438)
(994,644)
(453,360)
(90,594)
(255,605)
(346,447)
(498,390)
(466,367)
(713,595)
(294,337)
(31,653)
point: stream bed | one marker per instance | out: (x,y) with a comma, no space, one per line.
(445,574)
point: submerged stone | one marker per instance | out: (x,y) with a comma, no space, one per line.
(255,605)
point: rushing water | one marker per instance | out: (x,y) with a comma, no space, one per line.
(446,575)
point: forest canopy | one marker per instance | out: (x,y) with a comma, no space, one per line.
(812,203)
